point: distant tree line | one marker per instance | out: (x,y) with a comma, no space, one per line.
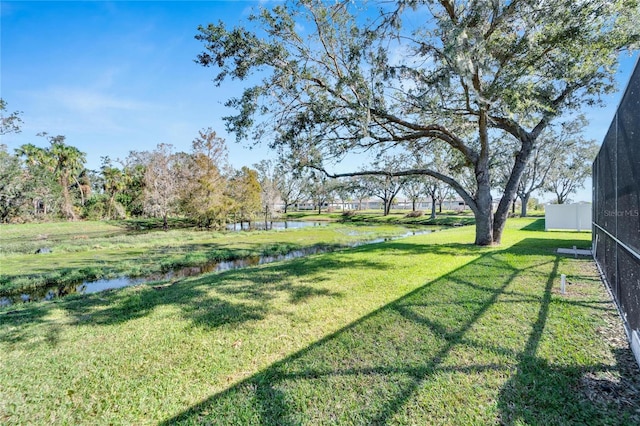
(53,182)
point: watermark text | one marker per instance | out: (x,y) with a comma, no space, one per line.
(622,213)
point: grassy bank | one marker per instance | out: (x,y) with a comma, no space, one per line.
(94,250)
(425,330)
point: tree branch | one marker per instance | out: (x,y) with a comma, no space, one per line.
(410,172)
(450,8)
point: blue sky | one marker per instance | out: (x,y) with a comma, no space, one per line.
(114,76)
(120,76)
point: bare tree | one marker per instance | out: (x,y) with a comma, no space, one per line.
(268,176)
(162,183)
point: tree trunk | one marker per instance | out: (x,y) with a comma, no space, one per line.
(387,207)
(524,198)
(165,224)
(413,205)
(67,205)
(483,202)
(433,208)
(502,212)
(111,206)
(484,213)
(560,198)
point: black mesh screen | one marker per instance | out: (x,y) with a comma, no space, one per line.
(629,165)
(610,264)
(616,205)
(609,180)
(600,238)
(629,288)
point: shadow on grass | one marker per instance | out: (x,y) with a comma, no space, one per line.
(251,289)
(462,349)
(203,301)
(536,225)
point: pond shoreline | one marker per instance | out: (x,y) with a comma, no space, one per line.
(57,291)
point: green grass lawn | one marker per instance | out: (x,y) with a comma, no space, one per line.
(424,330)
(94,250)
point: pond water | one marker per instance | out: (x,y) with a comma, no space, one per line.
(273,225)
(86,287)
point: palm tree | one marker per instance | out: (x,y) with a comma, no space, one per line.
(114,182)
(39,167)
(68,164)
(33,155)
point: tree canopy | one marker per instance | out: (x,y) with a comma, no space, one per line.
(62,161)
(11,123)
(328,79)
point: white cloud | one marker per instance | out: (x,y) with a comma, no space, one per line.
(69,110)
(85,101)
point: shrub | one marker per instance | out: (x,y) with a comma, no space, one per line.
(415,213)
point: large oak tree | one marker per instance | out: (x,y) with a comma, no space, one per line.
(326,79)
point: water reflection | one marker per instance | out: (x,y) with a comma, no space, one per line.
(86,287)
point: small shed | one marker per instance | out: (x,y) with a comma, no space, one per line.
(575,217)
